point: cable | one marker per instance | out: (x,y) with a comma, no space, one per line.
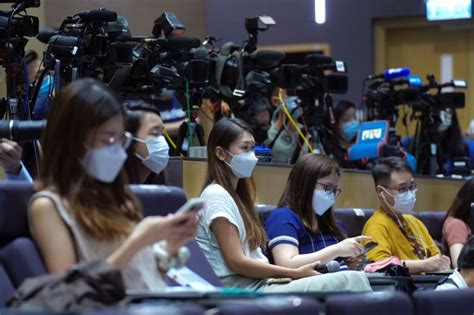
(167,136)
(294,123)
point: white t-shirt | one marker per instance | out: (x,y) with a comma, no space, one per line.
(219,203)
(458,280)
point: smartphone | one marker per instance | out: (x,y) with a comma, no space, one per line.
(193,204)
(369,246)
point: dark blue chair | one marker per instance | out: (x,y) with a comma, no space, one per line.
(276,304)
(21,259)
(459,302)
(159,199)
(381,303)
(6,287)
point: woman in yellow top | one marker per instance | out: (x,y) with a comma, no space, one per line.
(397,232)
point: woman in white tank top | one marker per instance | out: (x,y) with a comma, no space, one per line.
(84,210)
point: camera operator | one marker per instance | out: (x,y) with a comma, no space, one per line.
(347,126)
(10,161)
(282,138)
(256,111)
(452,144)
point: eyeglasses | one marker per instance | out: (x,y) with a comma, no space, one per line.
(125,140)
(413,188)
(330,189)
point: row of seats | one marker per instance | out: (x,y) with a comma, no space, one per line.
(354,219)
(20,259)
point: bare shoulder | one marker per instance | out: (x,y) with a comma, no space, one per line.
(43,206)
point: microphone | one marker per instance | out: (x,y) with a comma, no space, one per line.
(390,74)
(331,266)
(45,34)
(101,15)
(267,56)
(318,59)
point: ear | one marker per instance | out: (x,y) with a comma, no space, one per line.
(379,190)
(221,153)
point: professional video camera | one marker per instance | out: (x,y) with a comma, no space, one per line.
(13,30)
(426,143)
(386,92)
(79,47)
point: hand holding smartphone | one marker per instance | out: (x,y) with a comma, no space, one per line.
(369,246)
(193,205)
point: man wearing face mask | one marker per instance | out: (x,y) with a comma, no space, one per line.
(395,229)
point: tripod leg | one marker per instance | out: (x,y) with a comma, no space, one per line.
(199,131)
(182,135)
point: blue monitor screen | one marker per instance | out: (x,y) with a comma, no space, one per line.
(448,9)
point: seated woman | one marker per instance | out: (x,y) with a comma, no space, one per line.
(303,229)
(452,144)
(347,126)
(148,154)
(457,223)
(230,233)
(83,210)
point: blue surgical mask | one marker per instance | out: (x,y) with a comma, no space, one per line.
(349,130)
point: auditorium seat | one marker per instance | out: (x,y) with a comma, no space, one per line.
(21,259)
(200,265)
(459,302)
(14,198)
(159,199)
(433,220)
(6,287)
(380,303)
(353,219)
(272,304)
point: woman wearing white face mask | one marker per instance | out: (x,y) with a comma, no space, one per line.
(303,228)
(230,233)
(84,210)
(452,143)
(148,154)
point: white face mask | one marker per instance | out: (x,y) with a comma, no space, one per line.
(446,120)
(322,201)
(403,203)
(105,163)
(158,153)
(242,164)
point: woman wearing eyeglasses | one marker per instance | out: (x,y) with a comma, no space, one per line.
(83,210)
(303,228)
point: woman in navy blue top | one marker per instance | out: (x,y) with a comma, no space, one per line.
(303,228)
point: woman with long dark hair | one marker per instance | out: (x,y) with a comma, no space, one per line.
(457,223)
(83,209)
(148,153)
(303,228)
(230,233)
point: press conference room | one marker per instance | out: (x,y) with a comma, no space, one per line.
(236,157)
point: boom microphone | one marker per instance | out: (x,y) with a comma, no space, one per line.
(332,266)
(390,74)
(45,34)
(101,15)
(318,59)
(267,56)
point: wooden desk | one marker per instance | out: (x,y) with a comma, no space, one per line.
(435,194)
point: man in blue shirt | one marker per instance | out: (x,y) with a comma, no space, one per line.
(10,161)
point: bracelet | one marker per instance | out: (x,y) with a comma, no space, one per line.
(167,261)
